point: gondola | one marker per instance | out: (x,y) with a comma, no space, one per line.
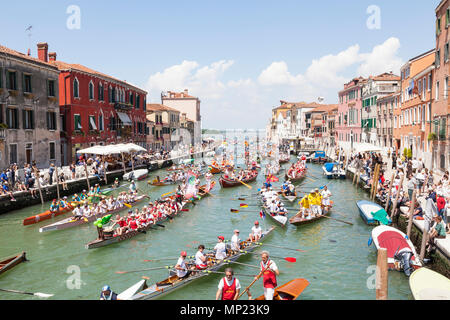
(173,283)
(297,178)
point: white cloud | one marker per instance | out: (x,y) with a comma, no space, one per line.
(231,103)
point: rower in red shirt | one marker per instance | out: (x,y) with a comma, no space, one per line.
(229,286)
(269,275)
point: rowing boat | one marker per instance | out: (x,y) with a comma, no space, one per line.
(11,262)
(202,189)
(46,215)
(289,291)
(297,220)
(214,170)
(369,211)
(229,183)
(427,284)
(297,178)
(279,219)
(172,283)
(140,174)
(71,222)
(290,198)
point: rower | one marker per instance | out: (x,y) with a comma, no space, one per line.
(304,203)
(116,183)
(181,268)
(235,241)
(229,286)
(54,207)
(326,194)
(220,248)
(84,195)
(76,198)
(91,192)
(63,202)
(133,187)
(269,275)
(97,188)
(77,212)
(107,294)
(201,262)
(256,233)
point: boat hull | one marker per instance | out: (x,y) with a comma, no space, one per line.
(10,263)
(289,291)
(226,183)
(365,208)
(46,215)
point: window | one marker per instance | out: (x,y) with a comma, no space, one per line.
(424,86)
(13,153)
(138,101)
(438,58)
(100,122)
(77,120)
(446,88)
(100,92)
(446,52)
(76,89)
(91,91)
(11,83)
(447,17)
(51,120)
(92,124)
(12,118)
(28,119)
(27,83)
(429,82)
(1,113)
(51,88)
(1,78)
(131,98)
(52,148)
(438,26)
(437,90)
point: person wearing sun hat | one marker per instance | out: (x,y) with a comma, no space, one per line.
(220,248)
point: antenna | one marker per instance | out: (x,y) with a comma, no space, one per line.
(29,39)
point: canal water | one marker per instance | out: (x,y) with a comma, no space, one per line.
(338,262)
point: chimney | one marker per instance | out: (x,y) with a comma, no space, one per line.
(43,51)
(185,92)
(52,56)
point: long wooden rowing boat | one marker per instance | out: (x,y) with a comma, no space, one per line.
(11,262)
(277,218)
(289,291)
(290,198)
(298,221)
(71,222)
(228,183)
(297,178)
(172,283)
(46,215)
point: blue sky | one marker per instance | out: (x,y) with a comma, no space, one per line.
(227,46)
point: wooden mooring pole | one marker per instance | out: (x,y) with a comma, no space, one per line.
(412,204)
(390,193)
(396,197)
(382,275)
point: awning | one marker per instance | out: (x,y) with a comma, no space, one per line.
(124,118)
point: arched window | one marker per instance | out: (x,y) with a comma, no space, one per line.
(91,90)
(76,88)
(100,92)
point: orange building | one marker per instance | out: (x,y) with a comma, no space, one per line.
(411,120)
(440,106)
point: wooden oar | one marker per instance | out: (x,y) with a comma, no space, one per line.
(165,194)
(157,268)
(168,258)
(338,220)
(256,279)
(275,246)
(243,264)
(288,259)
(38,294)
(244,184)
(236,274)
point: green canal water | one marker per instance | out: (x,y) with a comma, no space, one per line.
(337,262)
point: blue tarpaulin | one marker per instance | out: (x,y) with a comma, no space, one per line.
(320,154)
(329,166)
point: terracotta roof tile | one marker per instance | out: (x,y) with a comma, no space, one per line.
(23,56)
(160,107)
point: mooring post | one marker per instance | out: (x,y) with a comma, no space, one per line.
(382,275)
(411,213)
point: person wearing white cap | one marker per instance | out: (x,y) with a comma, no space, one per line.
(235,246)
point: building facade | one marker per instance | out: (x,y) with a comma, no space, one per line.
(388,108)
(440,118)
(29,110)
(416,107)
(166,121)
(349,112)
(188,104)
(95,108)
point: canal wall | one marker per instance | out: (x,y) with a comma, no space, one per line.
(440,259)
(50,192)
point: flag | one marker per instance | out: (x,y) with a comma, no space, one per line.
(243,205)
(272,178)
(262,214)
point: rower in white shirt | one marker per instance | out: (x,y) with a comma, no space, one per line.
(326,194)
(256,233)
(201,261)
(181,267)
(220,248)
(78,212)
(235,241)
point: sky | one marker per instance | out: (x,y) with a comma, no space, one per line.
(239,57)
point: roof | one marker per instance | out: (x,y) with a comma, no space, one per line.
(387,97)
(324,108)
(25,57)
(386,77)
(297,105)
(159,107)
(178,95)
(64,66)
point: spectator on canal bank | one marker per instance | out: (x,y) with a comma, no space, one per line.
(50,173)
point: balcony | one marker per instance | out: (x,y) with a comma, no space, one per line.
(123,106)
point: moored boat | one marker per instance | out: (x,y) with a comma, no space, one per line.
(71,222)
(140,174)
(172,283)
(319,157)
(371,213)
(332,170)
(426,284)
(11,262)
(400,251)
(289,291)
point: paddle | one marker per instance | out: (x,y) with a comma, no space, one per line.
(37,294)
(157,268)
(275,246)
(256,278)
(337,220)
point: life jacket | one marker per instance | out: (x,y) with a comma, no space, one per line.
(228,292)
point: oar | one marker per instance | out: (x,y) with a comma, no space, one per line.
(157,268)
(338,220)
(244,184)
(275,246)
(38,294)
(236,274)
(256,278)
(127,205)
(168,258)
(165,194)
(237,211)
(243,264)
(288,259)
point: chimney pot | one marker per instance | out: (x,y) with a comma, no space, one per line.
(43,51)
(52,56)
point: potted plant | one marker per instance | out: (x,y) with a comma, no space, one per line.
(432,136)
